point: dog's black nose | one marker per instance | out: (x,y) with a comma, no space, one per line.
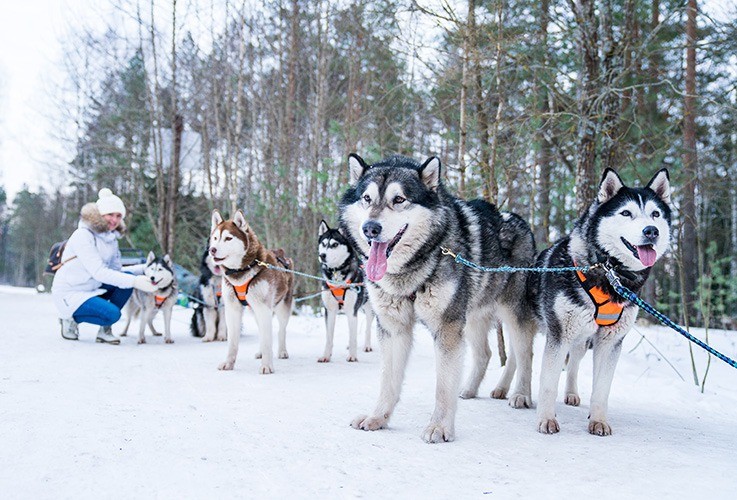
(371,229)
(213,250)
(651,232)
(322,257)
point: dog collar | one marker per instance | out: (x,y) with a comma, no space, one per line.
(607,311)
(250,266)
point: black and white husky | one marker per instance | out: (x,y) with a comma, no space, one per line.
(398,214)
(339,263)
(627,229)
(208,319)
(160,270)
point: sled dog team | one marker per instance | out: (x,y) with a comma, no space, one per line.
(396,217)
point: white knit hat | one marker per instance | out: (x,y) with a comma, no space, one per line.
(109,203)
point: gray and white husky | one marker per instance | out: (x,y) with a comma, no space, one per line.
(160,271)
(625,228)
(398,213)
(339,262)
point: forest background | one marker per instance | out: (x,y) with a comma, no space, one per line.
(185,106)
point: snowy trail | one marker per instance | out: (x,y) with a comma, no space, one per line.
(82,420)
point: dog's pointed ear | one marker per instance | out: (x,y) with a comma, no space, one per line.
(168,261)
(609,186)
(357,168)
(660,184)
(430,173)
(217,219)
(151,257)
(240,220)
(323,228)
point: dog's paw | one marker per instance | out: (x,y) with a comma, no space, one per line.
(437,433)
(222,339)
(366,423)
(169,341)
(323,359)
(572,399)
(499,393)
(258,355)
(520,401)
(266,370)
(155,333)
(207,339)
(283,355)
(599,428)
(468,394)
(141,341)
(351,359)
(123,334)
(368,348)
(548,426)
(226,365)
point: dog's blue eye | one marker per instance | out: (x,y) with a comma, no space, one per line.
(656,214)
(398,200)
(625,213)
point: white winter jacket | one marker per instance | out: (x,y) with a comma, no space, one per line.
(97,261)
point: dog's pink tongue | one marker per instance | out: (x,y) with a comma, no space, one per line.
(647,255)
(376,265)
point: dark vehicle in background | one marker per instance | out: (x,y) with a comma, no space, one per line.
(187,281)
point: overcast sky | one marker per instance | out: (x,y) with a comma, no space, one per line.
(30,74)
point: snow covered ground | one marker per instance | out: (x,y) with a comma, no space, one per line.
(86,420)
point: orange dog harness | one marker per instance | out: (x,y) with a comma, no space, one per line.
(607,311)
(241,291)
(160,300)
(338,292)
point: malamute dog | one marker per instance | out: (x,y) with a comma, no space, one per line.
(627,229)
(146,305)
(236,249)
(208,319)
(339,262)
(398,214)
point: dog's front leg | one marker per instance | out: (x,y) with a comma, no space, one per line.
(210,314)
(369,319)
(576,354)
(395,349)
(449,349)
(167,324)
(146,317)
(222,334)
(263,315)
(553,358)
(330,314)
(606,354)
(233,319)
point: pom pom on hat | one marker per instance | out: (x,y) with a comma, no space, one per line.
(108,203)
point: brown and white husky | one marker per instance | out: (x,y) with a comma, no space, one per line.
(236,249)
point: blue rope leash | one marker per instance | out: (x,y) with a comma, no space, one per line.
(632,297)
(341,284)
(509,269)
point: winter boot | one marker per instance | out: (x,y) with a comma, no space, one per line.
(105,335)
(69,329)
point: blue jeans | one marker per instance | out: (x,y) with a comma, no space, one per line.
(103,310)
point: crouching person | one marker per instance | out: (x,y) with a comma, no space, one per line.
(92,286)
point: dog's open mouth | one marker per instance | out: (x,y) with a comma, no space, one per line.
(644,253)
(379,253)
(216,270)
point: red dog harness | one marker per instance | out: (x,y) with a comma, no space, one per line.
(607,311)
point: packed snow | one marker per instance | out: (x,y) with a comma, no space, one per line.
(87,420)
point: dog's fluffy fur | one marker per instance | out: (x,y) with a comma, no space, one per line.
(398,214)
(145,305)
(339,263)
(236,249)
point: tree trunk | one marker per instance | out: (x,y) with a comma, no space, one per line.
(585,12)
(690,167)
(545,154)
(468,31)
